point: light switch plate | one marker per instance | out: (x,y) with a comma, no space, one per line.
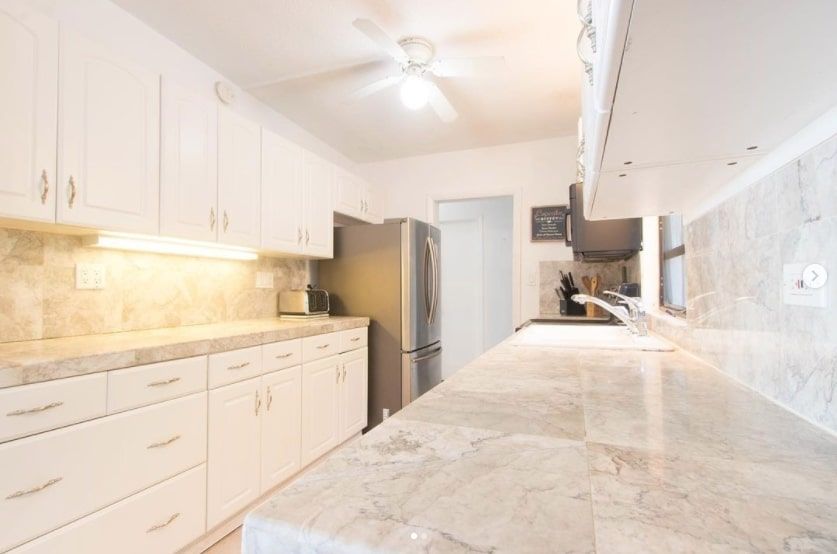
(90,276)
(796,293)
(264,280)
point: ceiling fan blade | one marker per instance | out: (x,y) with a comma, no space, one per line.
(379,37)
(377,86)
(440,104)
(468,67)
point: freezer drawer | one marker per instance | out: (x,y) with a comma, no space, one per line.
(420,371)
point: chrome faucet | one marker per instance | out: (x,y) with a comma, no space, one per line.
(636,326)
(635,308)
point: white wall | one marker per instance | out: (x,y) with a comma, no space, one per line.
(107,23)
(537,173)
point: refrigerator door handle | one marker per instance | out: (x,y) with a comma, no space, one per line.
(428,265)
(435,352)
(435,259)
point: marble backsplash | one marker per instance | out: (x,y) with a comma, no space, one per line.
(610,272)
(38,298)
(736,319)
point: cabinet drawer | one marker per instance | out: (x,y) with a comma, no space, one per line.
(150,384)
(320,346)
(279,355)
(56,477)
(352,339)
(31,409)
(164,518)
(235,365)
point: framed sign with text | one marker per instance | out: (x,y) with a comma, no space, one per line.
(548,223)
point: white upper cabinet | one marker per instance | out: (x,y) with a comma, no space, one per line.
(239,180)
(109,139)
(283,187)
(373,203)
(28,112)
(319,225)
(356,198)
(189,164)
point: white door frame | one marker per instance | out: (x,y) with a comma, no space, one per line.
(433,217)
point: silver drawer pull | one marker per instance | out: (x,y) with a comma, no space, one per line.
(39,409)
(33,490)
(285,355)
(166,524)
(164,443)
(354,339)
(164,382)
(320,347)
(239,366)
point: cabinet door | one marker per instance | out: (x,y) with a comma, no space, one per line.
(353,393)
(350,195)
(282,194)
(319,209)
(281,425)
(233,462)
(189,164)
(373,204)
(239,179)
(109,139)
(320,431)
(28,112)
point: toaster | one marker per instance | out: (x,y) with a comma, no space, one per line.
(307,302)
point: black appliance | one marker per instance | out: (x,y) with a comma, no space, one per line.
(600,241)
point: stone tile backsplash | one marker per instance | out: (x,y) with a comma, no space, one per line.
(736,319)
(38,298)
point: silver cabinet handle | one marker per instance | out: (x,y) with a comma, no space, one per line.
(299,235)
(285,355)
(239,366)
(344,373)
(33,490)
(269,399)
(163,443)
(162,525)
(35,410)
(163,382)
(338,374)
(354,339)
(44,186)
(226,221)
(322,346)
(212,218)
(307,237)
(258,402)
(71,198)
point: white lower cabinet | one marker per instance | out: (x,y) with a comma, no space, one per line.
(234,441)
(281,426)
(51,479)
(353,393)
(320,400)
(163,518)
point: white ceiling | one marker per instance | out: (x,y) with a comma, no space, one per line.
(303,57)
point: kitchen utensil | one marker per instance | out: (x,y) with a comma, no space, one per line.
(588,284)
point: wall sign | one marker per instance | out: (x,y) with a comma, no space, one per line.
(548,223)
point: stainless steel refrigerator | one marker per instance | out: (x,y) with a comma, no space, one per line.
(390,272)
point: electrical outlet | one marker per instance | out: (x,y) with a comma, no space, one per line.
(264,280)
(90,276)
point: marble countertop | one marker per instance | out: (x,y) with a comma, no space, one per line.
(43,360)
(532,449)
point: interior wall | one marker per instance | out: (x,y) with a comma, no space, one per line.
(38,298)
(538,172)
(491,218)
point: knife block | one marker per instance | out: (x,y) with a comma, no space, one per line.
(568,307)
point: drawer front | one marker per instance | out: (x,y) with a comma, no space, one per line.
(164,518)
(31,409)
(150,384)
(54,478)
(279,355)
(235,365)
(320,346)
(352,339)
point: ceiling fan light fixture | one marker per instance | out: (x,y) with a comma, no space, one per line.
(414,92)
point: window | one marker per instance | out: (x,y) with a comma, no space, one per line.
(672,265)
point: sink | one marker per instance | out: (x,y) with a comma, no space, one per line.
(606,337)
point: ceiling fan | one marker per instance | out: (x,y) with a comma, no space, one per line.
(416,57)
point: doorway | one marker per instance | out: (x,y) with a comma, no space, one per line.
(477,277)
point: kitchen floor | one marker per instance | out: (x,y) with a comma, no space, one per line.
(231,544)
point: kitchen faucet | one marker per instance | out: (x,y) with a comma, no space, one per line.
(635,308)
(635,323)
